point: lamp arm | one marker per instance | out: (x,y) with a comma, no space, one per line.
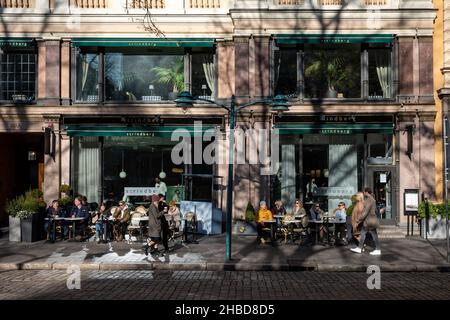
(265,101)
(212,102)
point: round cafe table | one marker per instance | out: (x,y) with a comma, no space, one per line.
(74,224)
(139,220)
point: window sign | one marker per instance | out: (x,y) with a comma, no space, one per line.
(139,191)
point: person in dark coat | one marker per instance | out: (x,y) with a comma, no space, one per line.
(80,211)
(154,226)
(370,223)
(54,211)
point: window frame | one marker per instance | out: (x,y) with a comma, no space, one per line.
(364,54)
(101,51)
(17,50)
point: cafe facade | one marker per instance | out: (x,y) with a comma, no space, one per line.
(97,103)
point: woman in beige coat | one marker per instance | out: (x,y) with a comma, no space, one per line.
(356,214)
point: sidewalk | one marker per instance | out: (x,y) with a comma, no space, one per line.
(408,255)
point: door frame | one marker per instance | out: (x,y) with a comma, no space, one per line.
(371,169)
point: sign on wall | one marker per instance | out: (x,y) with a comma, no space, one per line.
(140,191)
(411,201)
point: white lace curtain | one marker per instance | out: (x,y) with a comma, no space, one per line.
(210,74)
(383,66)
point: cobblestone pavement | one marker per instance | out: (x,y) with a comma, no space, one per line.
(211,285)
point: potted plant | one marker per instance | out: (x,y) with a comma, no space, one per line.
(65,190)
(25,219)
(432,219)
(332,68)
(246,225)
(172,75)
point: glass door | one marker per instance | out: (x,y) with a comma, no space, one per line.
(383,182)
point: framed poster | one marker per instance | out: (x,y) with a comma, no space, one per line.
(411,201)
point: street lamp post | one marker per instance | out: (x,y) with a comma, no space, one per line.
(279,104)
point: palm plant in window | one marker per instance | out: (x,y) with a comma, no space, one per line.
(327,65)
(172,75)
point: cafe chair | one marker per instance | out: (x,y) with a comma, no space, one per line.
(135,226)
(285,230)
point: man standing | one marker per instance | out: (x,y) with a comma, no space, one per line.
(160,186)
(370,223)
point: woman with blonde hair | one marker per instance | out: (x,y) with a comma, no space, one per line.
(356,214)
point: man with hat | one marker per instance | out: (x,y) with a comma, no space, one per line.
(121,219)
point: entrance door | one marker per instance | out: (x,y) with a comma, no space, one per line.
(383,182)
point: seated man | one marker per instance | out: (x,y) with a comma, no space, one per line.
(315,213)
(54,211)
(80,211)
(264,215)
(121,219)
(340,215)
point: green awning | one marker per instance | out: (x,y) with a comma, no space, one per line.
(142,131)
(16,42)
(333,38)
(331,129)
(143,42)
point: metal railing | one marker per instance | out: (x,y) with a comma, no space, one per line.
(204,4)
(91,4)
(146,4)
(17,4)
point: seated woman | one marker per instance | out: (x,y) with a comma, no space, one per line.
(54,211)
(279,208)
(264,215)
(102,225)
(174,215)
(300,212)
(340,215)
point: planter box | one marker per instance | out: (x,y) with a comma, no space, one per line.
(244,228)
(433,228)
(14,229)
(30,228)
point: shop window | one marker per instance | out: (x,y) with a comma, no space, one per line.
(18,76)
(87,77)
(134,77)
(380,146)
(332,71)
(203,82)
(285,71)
(380,73)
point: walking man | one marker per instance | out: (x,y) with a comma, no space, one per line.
(369,223)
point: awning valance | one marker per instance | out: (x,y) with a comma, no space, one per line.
(143,42)
(350,128)
(134,131)
(16,42)
(333,38)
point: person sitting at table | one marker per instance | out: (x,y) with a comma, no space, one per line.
(279,208)
(102,224)
(175,215)
(121,218)
(299,211)
(80,211)
(264,215)
(315,213)
(54,211)
(340,215)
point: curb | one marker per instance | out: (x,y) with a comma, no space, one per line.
(222,266)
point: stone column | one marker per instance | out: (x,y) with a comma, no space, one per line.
(52,162)
(226,67)
(242,53)
(65,73)
(50,81)
(262,67)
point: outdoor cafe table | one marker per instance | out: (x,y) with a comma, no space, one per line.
(327,221)
(74,224)
(54,224)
